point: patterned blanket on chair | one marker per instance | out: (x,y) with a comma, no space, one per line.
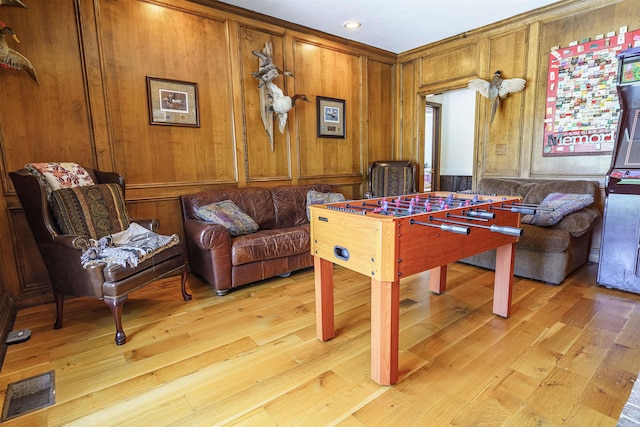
(127,248)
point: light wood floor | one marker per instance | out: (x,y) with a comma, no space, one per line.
(568,355)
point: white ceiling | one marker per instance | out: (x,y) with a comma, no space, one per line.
(393,25)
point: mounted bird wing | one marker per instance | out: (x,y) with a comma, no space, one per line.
(12,3)
(10,58)
(511,86)
(481,86)
(496,90)
(20,62)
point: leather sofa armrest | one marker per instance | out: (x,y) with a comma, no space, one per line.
(71,241)
(578,223)
(207,236)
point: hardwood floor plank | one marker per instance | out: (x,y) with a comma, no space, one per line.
(567,356)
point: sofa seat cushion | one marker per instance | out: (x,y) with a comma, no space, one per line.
(116,272)
(543,239)
(270,244)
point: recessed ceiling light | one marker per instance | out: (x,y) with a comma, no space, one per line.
(352,25)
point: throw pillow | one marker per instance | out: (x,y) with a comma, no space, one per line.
(559,205)
(93,211)
(60,175)
(229,215)
(318,198)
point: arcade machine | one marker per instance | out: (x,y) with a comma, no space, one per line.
(619,264)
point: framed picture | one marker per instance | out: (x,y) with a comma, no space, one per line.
(172,102)
(331,117)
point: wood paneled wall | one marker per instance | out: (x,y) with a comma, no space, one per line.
(92,59)
(519,47)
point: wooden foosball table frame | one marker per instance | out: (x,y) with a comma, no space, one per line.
(400,241)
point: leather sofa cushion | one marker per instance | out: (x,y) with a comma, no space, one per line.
(270,244)
(255,202)
(116,272)
(290,203)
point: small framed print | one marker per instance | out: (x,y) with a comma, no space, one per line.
(331,117)
(172,102)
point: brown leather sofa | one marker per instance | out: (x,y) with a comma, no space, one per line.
(281,244)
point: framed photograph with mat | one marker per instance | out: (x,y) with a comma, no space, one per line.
(331,117)
(172,102)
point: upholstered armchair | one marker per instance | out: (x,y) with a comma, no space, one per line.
(63,254)
(388,178)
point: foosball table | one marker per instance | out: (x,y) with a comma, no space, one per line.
(388,239)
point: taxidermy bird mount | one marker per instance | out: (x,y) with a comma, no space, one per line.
(12,3)
(496,90)
(281,104)
(9,58)
(268,70)
(273,102)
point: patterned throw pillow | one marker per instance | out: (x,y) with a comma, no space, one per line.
(94,211)
(60,175)
(318,198)
(230,216)
(560,205)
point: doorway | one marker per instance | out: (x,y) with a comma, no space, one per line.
(449,140)
(432,140)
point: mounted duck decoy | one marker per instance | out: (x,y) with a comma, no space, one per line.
(10,58)
(281,104)
(12,3)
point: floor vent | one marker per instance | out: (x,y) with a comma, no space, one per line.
(29,395)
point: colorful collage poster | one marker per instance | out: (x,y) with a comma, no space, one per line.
(582,106)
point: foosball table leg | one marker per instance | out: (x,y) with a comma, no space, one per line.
(438,279)
(323,272)
(503,285)
(385,331)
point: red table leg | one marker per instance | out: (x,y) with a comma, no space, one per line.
(438,279)
(503,285)
(323,272)
(385,329)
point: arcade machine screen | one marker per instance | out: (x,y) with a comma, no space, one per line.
(630,71)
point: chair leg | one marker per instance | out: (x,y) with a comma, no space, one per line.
(59,308)
(186,296)
(115,305)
